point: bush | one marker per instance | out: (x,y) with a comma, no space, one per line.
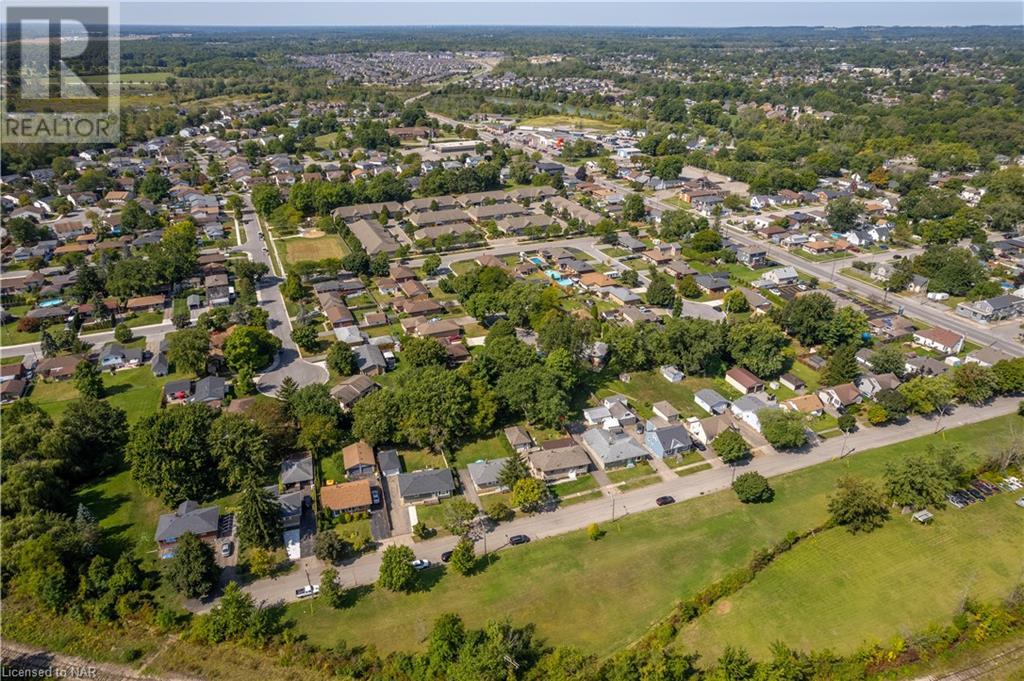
(29,324)
(422,531)
(594,531)
(847,422)
(123,334)
(753,488)
(500,513)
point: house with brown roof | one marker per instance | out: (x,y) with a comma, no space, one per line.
(567,461)
(840,396)
(743,380)
(805,404)
(351,390)
(358,460)
(441,328)
(347,497)
(146,303)
(58,368)
(942,340)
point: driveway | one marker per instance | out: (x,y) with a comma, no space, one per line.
(469,489)
(395,508)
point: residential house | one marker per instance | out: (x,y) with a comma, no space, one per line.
(986,357)
(925,366)
(58,368)
(565,461)
(153,303)
(347,497)
(743,380)
(188,518)
(992,309)
(519,439)
(374,237)
(939,339)
(353,389)
(664,438)
(781,276)
(427,485)
(792,382)
(748,409)
(485,474)
(710,401)
(370,360)
(871,385)
(612,450)
(804,404)
(358,461)
(752,256)
(210,390)
(116,356)
(12,389)
(664,410)
(705,430)
(840,396)
(297,473)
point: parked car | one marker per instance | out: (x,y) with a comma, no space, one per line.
(517,539)
(375,496)
(664,501)
(1020,502)
(226,549)
(420,563)
(446,556)
(306,591)
(954,501)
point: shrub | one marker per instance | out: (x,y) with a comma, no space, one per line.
(500,513)
(29,324)
(594,531)
(753,488)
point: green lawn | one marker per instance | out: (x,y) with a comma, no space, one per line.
(662,556)
(419,459)
(137,391)
(973,551)
(805,374)
(433,515)
(581,484)
(126,514)
(565,120)
(494,447)
(682,472)
(647,387)
(630,473)
(144,319)
(691,457)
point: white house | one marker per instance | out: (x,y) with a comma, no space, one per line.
(942,340)
(782,275)
(747,408)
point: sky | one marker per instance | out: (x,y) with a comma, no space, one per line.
(829,13)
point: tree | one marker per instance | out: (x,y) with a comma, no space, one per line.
(240,448)
(261,562)
(847,327)
(758,345)
(659,292)
(753,488)
(857,505)
(888,359)
(319,434)
(926,395)
(633,208)
(169,454)
(841,366)
(974,384)
(396,570)
(706,241)
(730,447)
(87,380)
(431,264)
(847,422)
(921,480)
(463,558)
(688,288)
(250,346)
(734,664)
(193,571)
(154,186)
(331,590)
(259,518)
(189,349)
(458,516)
(807,318)
(734,301)
(422,352)
(783,429)
(265,198)
(341,360)
(630,278)
(530,494)
(287,389)
(843,214)
(373,417)
(307,337)
(329,547)
(123,333)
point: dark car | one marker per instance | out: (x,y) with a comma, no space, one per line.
(517,539)
(974,493)
(446,556)
(664,501)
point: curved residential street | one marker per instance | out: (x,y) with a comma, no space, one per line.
(288,362)
(364,570)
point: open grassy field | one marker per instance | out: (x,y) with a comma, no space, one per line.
(297,249)
(137,391)
(562,584)
(562,120)
(974,551)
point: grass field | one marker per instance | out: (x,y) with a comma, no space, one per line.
(647,387)
(137,391)
(570,121)
(562,584)
(973,551)
(297,249)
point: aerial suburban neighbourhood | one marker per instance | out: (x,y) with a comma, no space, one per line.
(493,352)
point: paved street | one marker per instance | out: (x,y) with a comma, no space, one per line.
(288,362)
(364,570)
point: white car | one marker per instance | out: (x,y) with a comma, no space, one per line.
(420,563)
(1020,502)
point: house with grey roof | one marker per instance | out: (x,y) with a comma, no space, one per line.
(748,409)
(428,485)
(559,463)
(389,463)
(188,518)
(370,360)
(666,439)
(210,390)
(612,450)
(484,474)
(297,473)
(710,401)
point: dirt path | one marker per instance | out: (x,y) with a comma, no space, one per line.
(31,662)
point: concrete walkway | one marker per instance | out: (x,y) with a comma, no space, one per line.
(662,468)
